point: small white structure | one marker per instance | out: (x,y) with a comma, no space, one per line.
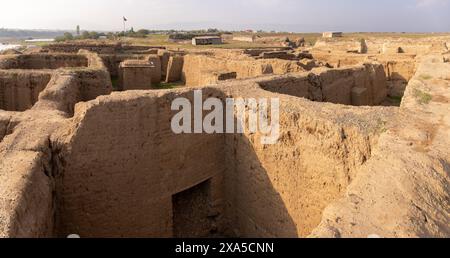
(245,38)
(332,34)
(207,40)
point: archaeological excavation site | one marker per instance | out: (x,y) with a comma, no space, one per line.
(86,145)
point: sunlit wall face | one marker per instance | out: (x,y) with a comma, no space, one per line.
(280,15)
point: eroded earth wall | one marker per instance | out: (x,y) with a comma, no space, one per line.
(197,69)
(281,190)
(384,45)
(112,166)
(335,85)
(403,190)
(42,61)
(131,164)
(27,157)
(120,172)
(19,90)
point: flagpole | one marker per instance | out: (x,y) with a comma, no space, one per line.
(124,26)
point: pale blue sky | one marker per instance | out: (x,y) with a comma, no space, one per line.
(286,15)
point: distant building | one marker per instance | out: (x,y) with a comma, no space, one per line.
(332,34)
(245,38)
(207,40)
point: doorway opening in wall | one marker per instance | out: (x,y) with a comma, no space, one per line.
(115,83)
(192,212)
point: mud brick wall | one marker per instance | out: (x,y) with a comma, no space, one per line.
(175,69)
(130,164)
(335,85)
(43,61)
(19,90)
(135,77)
(280,190)
(196,68)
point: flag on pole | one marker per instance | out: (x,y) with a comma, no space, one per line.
(124,24)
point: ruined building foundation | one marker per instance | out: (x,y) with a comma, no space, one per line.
(78,158)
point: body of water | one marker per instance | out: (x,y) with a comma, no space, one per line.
(40,40)
(8,46)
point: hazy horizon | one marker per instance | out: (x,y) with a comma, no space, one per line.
(279,15)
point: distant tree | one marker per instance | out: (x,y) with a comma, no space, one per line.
(132,30)
(111,35)
(68,36)
(78,30)
(94,35)
(143,32)
(60,39)
(85,35)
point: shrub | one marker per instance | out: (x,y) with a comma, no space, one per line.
(422,97)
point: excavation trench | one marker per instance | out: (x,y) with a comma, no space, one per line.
(363,85)
(398,68)
(43,61)
(129,175)
(19,90)
(117,169)
(111,166)
(24,77)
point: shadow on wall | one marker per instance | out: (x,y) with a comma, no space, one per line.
(397,83)
(194,214)
(254,207)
